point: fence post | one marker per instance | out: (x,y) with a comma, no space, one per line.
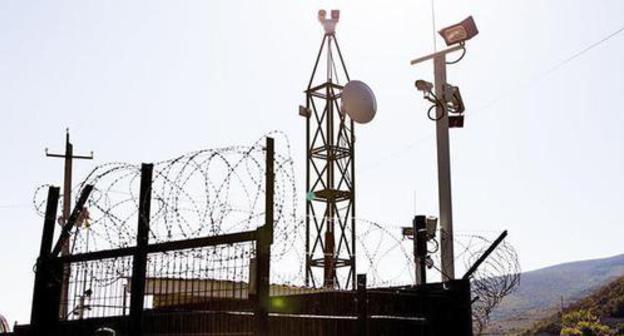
(263,247)
(44,312)
(362,312)
(139,261)
(71,221)
(419,228)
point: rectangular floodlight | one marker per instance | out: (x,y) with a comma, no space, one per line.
(460,32)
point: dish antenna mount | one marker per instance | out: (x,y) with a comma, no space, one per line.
(358,102)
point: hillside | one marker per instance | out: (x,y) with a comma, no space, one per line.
(541,291)
(607,303)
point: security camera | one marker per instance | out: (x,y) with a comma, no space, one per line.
(321,15)
(424,86)
(329,24)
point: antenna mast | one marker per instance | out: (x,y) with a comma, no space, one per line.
(330,171)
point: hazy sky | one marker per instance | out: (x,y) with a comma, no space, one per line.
(541,153)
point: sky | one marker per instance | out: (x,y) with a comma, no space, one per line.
(541,153)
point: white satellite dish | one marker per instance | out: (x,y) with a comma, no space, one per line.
(358,102)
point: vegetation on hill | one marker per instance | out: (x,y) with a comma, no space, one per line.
(583,323)
(601,313)
(542,291)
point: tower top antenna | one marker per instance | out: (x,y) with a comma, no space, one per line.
(329,24)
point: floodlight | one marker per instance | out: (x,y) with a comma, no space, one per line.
(459,33)
(424,86)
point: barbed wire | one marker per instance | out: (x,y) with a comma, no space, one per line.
(217,191)
(497,277)
(202,193)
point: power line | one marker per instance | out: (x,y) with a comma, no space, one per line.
(550,70)
(397,153)
(508,92)
(583,51)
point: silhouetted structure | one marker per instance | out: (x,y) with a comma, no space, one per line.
(182,305)
(330,170)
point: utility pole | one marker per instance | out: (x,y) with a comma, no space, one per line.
(67,185)
(444,162)
(447,99)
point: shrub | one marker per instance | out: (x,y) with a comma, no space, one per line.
(583,323)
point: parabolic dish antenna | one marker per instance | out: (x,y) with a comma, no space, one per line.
(358,102)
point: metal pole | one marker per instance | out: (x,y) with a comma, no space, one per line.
(362,311)
(47,238)
(353,224)
(444,171)
(420,248)
(264,241)
(308,256)
(485,254)
(42,313)
(139,261)
(329,273)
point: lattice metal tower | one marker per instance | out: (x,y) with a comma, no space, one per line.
(330,199)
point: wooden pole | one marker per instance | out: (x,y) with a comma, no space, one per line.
(67,185)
